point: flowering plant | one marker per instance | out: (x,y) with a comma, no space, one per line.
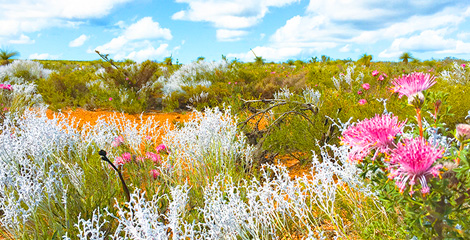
(138,166)
(397,161)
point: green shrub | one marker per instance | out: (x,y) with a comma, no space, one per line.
(62,90)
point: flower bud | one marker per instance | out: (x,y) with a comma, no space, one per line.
(462,131)
(416,100)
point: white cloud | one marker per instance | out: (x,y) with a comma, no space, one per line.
(346,23)
(414,24)
(228,14)
(146,28)
(149,53)
(19,17)
(79,41)
(426,41)
(114,46)
(346,48)
(134,41)
(22,40)
(43,56)
(226,35)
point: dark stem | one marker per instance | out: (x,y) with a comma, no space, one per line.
(102,153)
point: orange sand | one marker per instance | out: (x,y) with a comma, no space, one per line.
(92,116)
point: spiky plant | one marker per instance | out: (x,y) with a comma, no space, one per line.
(6,54)
(405,57)
(365,59)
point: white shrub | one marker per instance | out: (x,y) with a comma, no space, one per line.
(35,69)
(189,75)
(207,138)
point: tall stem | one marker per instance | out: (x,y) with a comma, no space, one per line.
(420,124)
(457,160)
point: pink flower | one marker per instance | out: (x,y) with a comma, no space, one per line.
(154,157)
(110,99)
(375,73)
(229,83)
(235,83)
(359,92)
(381,77)
(411,161)
(273,72)
(140,159)
(155,173)
(362,102)
(385,75)
(412,84)
(117,141)
(5,86)
(376,134)
(160,147)
(462,131)
(127,79)
(365,86)
(119,161)
(463,65)
(126,156)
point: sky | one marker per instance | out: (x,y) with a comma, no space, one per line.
(276,30)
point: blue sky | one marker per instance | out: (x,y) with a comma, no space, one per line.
(277,30)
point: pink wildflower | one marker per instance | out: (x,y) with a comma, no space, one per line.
(375,133)
(412,84)
(273,72)
(235,83)
(6,86)
(385,75)
(463,65)
(359,92)
(375,73)
(462,131)
(154,157)
(127,79)
(119,161)
(229,83)
(160,147)
(155,173)
(110,99)
(117,141)
(126,156)
(365,86)
(412,160)
(362,102)
(381,77)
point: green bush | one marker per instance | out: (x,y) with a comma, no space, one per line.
(69,89)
